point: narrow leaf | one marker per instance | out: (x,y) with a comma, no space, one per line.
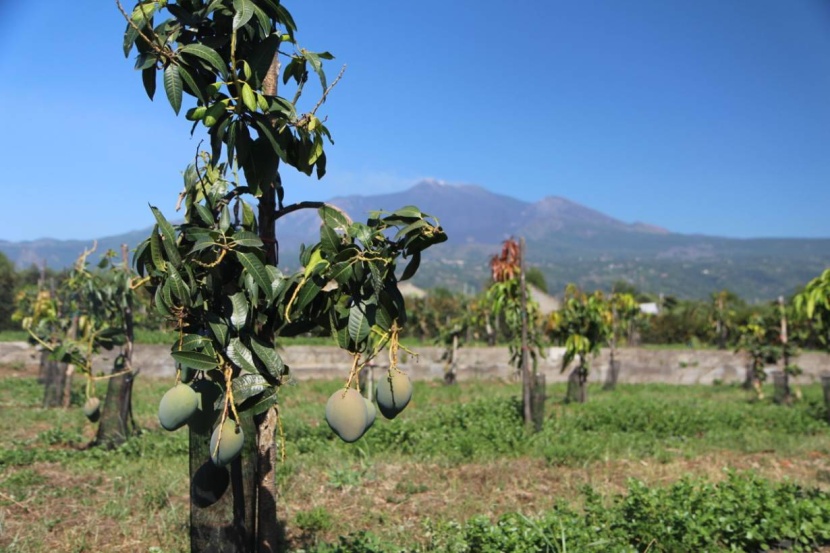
(195,360)
(244,12)
(173,87)
(254,267)
(240,356)
(168,237)
(207,54)
(148,77)
(358,322)
(412,266)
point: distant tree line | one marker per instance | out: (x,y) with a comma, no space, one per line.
(715,322)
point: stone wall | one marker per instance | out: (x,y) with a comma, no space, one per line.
(637,365)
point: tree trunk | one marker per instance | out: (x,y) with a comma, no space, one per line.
(117,423)
(54,379)
(222,499)
(583,383)
(69,369)
(538,402)
(527,384)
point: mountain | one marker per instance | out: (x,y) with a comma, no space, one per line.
(569,242)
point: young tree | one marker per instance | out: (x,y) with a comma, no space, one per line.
(508,297)
(583,325)
(90,314)
(216,275)
(756,340)
(813,304)
(624,311)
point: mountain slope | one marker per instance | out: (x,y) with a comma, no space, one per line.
(568,241)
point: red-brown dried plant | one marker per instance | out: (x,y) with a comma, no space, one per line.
(507,264)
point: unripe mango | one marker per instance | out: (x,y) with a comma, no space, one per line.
(92,409)
(347,414)
(177,405)
(394,393)
(230,445)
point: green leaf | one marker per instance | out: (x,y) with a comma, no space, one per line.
(359,326)
(247,386)
(410,228)
(184,73)
(219,329)
(141,16)
(244,12)
(178,287)
(155,250)
(207,54)
(254,267)
(168,238)
(268,133)
(248,97)
(193,342)
(173,86)
(329,239)
(240,356)
(279,283)
(148,77)
(270,358)
(412,266)
(247,239)
(195,360)
(306,295)
(268,400)
(334,217)
(239,310)
(317,66)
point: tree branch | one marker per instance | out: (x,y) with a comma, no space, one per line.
(296,207)
(329,89)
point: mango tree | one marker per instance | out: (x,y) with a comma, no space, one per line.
(508,298)
(758,341)
(813,304)
(624,311)
(582,326)
(216,276)
(91,313)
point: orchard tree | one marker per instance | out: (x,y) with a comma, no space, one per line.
(754,339)
(813,304)
(216,276)
(582,325)
(508,298)
(91,313)
(624,312)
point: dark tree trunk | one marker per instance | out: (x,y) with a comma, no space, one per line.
(538,402)
(117,422)
(54,381)
(222,499)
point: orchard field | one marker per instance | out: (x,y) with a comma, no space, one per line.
(645,467)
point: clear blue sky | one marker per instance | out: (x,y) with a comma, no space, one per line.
(711,116)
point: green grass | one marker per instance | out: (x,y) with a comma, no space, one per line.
(138,492)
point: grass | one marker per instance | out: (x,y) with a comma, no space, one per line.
(458,453)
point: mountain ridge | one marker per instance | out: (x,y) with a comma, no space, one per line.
(568,241)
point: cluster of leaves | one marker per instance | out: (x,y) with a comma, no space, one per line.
(83,316)
(741,513)
(582,325)
(220,53)
(814,304)
(210,277)
(504,299)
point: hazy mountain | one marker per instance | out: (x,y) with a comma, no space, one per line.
(568,241)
